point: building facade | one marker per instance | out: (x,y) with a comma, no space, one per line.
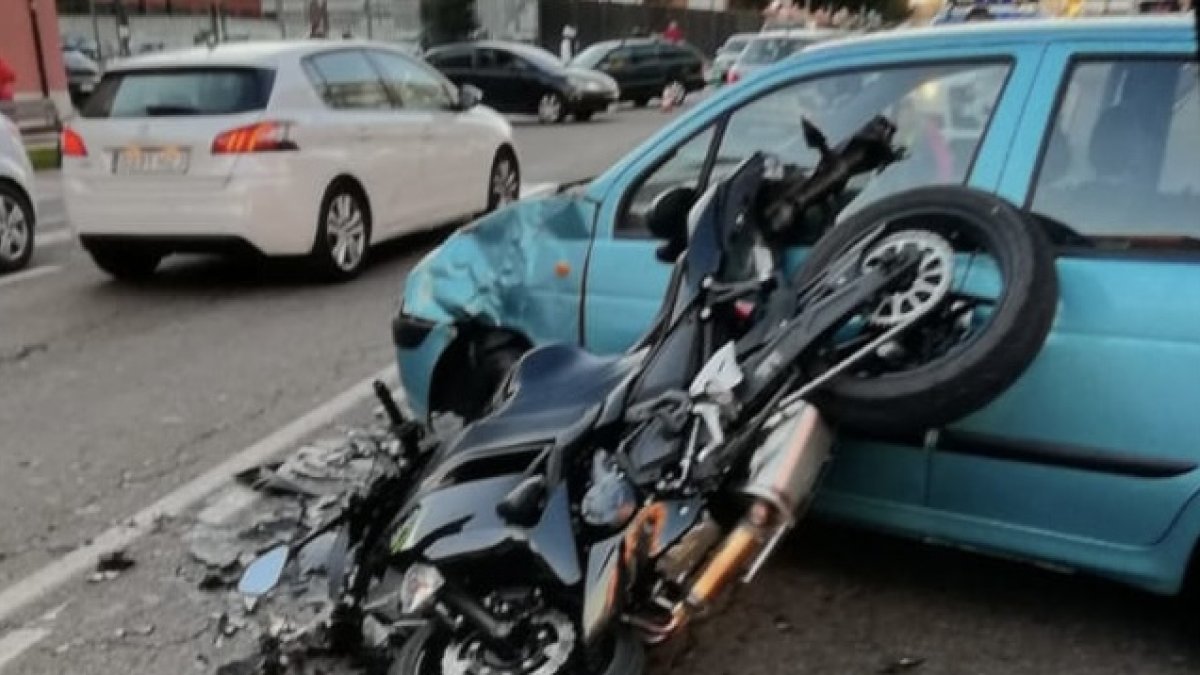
(29,44)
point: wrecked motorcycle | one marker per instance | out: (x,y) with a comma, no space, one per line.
(604,502)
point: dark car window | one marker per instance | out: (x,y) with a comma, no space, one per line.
(498,59)
(456,59)
(411,84)
(181,91)
(1123,154)
(640,54)
(345,79)
(593,55)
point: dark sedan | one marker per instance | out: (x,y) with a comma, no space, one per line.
(518,78)
(643,67)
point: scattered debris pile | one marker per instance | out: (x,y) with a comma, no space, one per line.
(269,506)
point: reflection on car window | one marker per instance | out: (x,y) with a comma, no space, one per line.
(412,84)
(941,113)
(346,80)
(1123,156)
(683,168)
(452,59)
(770,50)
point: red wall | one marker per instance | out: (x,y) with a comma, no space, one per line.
(16,45)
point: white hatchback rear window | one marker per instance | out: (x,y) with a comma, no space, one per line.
(179,92)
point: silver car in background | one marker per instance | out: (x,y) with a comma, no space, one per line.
(769,47)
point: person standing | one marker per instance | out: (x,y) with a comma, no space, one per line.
(8,81)
(566,50)
(673,33)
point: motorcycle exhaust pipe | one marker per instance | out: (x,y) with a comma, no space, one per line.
(783,476)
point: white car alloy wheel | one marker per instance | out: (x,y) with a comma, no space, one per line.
(344,234)
(505,185)
(16,233)
(550,108)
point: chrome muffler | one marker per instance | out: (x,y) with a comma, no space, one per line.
(783,476)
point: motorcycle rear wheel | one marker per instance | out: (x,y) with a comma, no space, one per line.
(971,375)
(422,654)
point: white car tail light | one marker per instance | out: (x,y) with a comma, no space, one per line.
(72,143)
(260,137)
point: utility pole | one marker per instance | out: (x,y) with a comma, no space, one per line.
(370,34)
(278,18)
(37,47)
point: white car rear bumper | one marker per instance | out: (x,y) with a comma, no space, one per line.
(274,214)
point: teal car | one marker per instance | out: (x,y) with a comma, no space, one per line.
(1091,461)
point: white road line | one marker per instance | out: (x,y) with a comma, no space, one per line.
(75,564)
(17,642)
(34,273)
(53,237)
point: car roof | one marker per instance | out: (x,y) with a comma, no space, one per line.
(1024,31)
(799,33)
(247,54)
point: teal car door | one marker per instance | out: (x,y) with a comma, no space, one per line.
(625,282)
(1093,452)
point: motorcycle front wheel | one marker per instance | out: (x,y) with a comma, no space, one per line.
(551,650)
(994,291)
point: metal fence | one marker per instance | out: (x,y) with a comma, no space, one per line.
(595,21)
(542,21)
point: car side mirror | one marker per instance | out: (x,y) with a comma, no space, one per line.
(666,219)
(469,96)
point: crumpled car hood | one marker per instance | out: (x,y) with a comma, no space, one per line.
(507,267)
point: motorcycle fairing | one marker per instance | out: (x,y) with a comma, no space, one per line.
(461,521)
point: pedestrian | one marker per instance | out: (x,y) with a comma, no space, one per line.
(8,81)
(566,50)
(673,33)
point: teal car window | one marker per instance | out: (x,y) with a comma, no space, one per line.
(1122,156)
(683,167)
(941,112)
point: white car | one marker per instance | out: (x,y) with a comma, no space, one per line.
(304,148)
(17,214)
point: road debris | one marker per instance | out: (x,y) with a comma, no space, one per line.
(902,665)
(117,561)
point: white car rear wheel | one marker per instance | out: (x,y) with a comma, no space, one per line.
(343,233)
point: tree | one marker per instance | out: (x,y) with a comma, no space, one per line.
(447,20)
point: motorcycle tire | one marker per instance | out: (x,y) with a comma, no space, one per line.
(628,655)
(950,387)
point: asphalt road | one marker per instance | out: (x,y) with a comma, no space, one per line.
(114,396)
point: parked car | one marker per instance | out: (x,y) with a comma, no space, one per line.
(82,75)
(726,56)
(1089,461)
(773,46)
(18,206)
(308,148)
(518,78)
(644,67)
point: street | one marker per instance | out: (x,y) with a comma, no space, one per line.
(117,395)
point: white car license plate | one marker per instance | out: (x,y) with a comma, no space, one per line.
(165,160)
(86,87)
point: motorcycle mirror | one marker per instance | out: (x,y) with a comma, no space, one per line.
(469,96)
(667,217)
(814,138)
(264,573)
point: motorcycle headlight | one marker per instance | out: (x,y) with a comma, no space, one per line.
(420,586)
